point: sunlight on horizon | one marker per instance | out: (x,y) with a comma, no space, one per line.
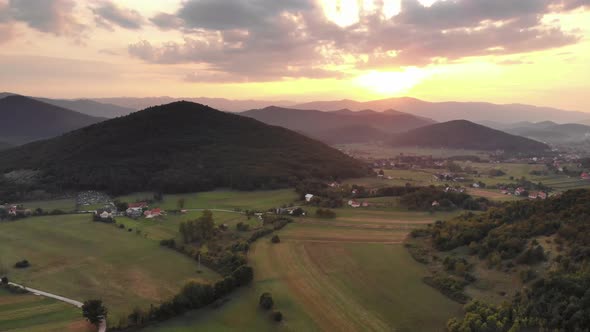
(392,82)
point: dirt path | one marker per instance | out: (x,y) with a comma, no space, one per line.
(103,324)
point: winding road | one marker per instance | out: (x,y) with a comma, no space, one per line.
(103,324)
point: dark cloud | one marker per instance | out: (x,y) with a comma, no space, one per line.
(167,21)
(108,14)
(272,39)
(236,14)
(50,16)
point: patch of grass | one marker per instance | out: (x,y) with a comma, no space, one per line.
(74,257)
(66,205)
(221,199)
(28,312)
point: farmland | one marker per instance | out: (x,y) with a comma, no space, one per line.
(27,312)
(350,273)
(74,257)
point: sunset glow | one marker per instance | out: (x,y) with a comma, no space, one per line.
(358,49)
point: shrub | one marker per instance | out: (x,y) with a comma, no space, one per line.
(4,281)
(242,227)
(275,239)
(325,213)
(277,316)
(22,264)
(266,302)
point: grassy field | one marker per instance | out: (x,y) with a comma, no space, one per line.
(221,199)
(350,274)
(28,312)
(66,204)
(74,257)
(383,151)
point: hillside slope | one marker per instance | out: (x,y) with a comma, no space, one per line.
(341,126)
(179,147)
(462,134)
(25,119)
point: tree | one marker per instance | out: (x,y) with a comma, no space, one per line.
(180,203)
(275,239)
(94,311)
(266,302)
(277,316)
(4,281)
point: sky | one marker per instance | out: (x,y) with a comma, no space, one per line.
(502,51)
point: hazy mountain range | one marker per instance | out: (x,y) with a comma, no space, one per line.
(446,111)
(343,126)
(24,119)
(493,115)
(223,104)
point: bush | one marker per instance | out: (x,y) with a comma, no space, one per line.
(266,302)
(4,281)
(22,264)
(325,213)
(242,227)
(275,239)
(277,316)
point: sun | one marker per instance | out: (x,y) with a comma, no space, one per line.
(392,82)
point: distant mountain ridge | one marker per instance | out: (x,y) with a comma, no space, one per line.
(342,126)
(25,120)
(447,111)
(463,134)
(179,147)
(84,106)
(222,104)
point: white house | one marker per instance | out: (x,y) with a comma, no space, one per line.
(308,197)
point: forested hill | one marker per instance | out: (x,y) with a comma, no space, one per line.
(547,242)
(462,134)
(179,147)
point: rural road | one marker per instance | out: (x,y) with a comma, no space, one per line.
(103,324)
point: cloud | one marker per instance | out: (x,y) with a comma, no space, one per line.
(108,14)
(269,39)
(50,16)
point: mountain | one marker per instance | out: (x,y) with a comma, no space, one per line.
(446,111)
(554,133)
(462,134)
(25,119)
(338,126)
(84,106)
(179,147)
(90,107)
(222,104)
(4,146)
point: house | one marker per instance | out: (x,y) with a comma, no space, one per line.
(505,192)
(435,203)
(354,204)
(308,197)
(538,195)
(585,176)
(135,210)
(153,213)
(475,185)
(365,204)
(519,191)
(334,185)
